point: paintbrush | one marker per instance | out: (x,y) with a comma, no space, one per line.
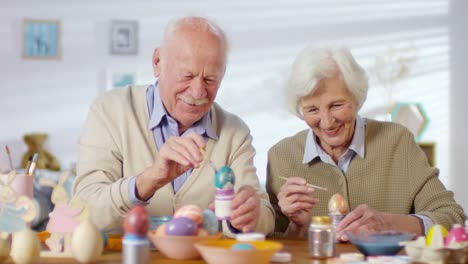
(210,162)
(9,157)
(308,184)
(32,166)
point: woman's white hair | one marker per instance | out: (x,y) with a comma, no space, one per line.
(313,64)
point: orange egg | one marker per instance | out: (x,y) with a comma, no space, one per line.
(161,230)
(190,211)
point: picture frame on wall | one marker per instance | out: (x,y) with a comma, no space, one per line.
(124,37)
(41,39)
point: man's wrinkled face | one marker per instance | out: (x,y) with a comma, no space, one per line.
(189,71)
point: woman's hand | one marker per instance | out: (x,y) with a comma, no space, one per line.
(296,201)
(366,219)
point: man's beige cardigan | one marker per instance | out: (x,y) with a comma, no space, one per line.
(393,177)
(117,144)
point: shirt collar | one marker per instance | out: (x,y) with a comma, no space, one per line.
(312,149)
(158,113)
(157,110)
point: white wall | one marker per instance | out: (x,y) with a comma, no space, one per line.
(53,96)
(458,101)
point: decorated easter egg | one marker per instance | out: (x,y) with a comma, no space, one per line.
(181,226)
(224,178)
(210,222)
(455,236)
(242,246)
(86,242)
(337,205)
(190,211)
(435,237)
(25,247)
(137,221)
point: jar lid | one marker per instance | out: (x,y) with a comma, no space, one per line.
(321,220)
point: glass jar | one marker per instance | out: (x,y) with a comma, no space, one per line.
(321,238)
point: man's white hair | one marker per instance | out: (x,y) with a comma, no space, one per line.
(201,24)
(313,64)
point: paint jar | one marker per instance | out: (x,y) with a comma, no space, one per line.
(321,238)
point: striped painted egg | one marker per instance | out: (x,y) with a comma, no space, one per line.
(190,211)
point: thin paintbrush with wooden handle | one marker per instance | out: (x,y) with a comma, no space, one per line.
(308,184)
(209,161)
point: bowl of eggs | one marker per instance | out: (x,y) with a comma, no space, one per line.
(176,239)
(379,243)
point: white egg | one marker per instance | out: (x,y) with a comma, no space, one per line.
(4,249)
(86,242)
(25,247)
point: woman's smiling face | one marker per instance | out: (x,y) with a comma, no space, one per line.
(331,111)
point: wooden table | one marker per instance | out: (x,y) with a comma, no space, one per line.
(297,247)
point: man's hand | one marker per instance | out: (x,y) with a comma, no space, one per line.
(296,201)
(245,209)
(177,155)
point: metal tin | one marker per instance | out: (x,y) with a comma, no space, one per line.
(135,250)
(321,238)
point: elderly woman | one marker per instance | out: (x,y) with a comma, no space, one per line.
(377,166)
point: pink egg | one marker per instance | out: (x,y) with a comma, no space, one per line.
(456,235)
(137,221)
(190,211)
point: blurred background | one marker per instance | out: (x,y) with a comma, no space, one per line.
(413,51)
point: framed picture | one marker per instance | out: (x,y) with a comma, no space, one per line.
(412,116)
(124,37)
(41,39)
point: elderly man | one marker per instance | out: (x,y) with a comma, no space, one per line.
(142,145)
